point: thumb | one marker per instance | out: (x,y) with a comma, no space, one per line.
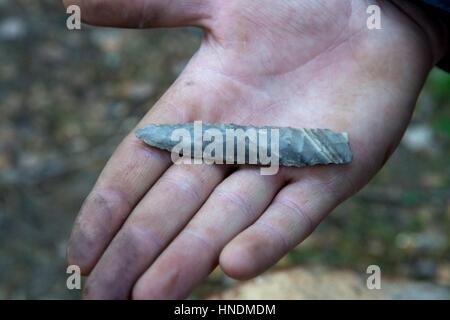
(143,13)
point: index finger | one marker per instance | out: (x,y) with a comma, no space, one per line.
(128,175)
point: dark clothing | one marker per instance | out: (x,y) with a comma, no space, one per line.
(442,4)
(440,9)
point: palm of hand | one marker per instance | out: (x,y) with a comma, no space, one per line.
(285,63)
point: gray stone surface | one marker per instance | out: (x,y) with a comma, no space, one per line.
(297,147)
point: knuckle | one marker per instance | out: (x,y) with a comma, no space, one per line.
(301,214)
(274,231)
(103,208)
(140,236)
(98,220)
(183,184)
(202,238)
(235,199)
(109,197)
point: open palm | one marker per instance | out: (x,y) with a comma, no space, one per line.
(150,229)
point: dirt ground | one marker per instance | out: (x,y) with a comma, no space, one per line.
(68,97)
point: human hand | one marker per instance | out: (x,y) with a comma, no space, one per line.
(150,229)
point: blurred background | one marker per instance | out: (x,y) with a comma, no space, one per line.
(67,98)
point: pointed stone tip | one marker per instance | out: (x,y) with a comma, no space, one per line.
(140,133)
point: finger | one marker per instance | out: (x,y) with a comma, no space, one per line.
(128,175)
(232,206)
(292,216)
(143,13)
(158,218)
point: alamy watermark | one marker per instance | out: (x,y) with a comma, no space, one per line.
(373,281)
(374,20)
(73,281)
(73,22)
(236,146)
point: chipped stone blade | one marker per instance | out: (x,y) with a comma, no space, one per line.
(297,147)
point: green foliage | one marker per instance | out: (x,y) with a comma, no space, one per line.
(438,85)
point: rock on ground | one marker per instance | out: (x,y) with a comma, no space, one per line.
(318,283)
